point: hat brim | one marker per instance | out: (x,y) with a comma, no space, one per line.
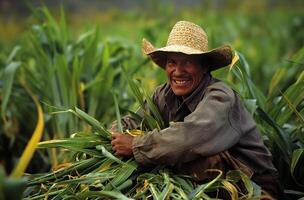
(216,58)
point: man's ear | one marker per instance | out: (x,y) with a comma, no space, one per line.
(205,67)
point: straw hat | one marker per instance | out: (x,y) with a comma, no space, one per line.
(189,38)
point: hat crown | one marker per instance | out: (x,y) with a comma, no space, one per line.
(188,34)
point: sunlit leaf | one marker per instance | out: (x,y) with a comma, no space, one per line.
(33,142)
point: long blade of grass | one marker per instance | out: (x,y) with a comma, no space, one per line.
(93,122)
(230,188)
(123,174)
(107,154)
(235,176)
(234,60)
(32,144)
(253,90)
(294,109)
(293,96)
(154,192)
(135,89)
(152,121)
(281,138)
(118,117)
(185,185)
(276,78)
(153,108)
(81,142)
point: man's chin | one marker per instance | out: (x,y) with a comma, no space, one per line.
(181,93)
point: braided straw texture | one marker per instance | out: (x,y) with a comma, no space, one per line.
(188,34)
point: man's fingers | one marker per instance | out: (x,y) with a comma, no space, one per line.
(114,142)
(115,134)
(122,144)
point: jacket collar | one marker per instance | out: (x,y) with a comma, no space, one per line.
(175,103)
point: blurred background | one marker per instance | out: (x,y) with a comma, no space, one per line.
(68,53)
(266,31)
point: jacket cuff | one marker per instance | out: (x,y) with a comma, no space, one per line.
(139,157)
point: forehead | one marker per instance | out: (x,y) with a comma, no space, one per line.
(182,56)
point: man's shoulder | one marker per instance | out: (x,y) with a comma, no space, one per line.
(220,86)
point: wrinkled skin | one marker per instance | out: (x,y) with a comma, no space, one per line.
(184,73)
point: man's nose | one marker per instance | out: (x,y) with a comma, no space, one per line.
(179,68)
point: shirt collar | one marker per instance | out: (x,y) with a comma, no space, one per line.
(174,102)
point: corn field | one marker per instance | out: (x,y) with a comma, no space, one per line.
(61,89)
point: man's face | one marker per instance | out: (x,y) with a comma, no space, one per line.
(184,73)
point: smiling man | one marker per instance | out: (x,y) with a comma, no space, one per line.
(184,73)
(207,127)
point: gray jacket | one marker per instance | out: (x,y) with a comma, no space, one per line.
(211,120)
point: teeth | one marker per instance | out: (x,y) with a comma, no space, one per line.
(180,82)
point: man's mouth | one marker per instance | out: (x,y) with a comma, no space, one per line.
(183,82)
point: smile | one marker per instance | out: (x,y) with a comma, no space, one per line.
(181,82)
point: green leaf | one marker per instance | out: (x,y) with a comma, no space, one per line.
(293,96)
(281,139)
(13,54)
(108,154)
(250,105)
(244,75)
(110,194)
(93,122)
(276,78)
(156,114)
(297,155)
(33,142)
(8,79)
(198,191)
(154,192)
(118,117)
(122,174)
(11,188)
(165,193)
(253,191)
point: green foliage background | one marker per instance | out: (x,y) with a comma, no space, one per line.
(74,59)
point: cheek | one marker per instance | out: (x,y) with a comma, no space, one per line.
(197,76)
(168,71)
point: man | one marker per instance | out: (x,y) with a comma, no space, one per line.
(207,125)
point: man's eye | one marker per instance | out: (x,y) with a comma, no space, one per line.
(170,62)
(189,62)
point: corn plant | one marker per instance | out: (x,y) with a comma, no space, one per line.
(280,118)
(62,72)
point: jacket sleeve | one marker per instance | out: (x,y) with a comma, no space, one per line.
(206,131)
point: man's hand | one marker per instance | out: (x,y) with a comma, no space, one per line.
(122,144)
